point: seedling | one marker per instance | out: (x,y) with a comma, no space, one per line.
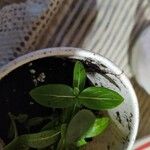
(78,123)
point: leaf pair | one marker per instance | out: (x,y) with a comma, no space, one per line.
(62,96)
(84,125)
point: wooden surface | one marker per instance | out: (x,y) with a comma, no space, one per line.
(144,105)
(107,27)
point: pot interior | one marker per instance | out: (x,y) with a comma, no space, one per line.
(15,87)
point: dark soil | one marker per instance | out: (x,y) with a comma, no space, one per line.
(15,87)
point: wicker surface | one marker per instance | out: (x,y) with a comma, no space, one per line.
(108,27)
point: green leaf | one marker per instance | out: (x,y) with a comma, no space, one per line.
(41,139)
(81,142)
(99,126)
(99,98)
(48,126)
(54,95)
(36,121)
(79,125)
(76,91)
(36,140)
(16,144)
(79,76)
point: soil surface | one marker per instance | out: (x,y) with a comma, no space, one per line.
(15,88)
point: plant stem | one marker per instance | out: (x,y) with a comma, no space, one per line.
(62,143)
(13,124)
(75,109)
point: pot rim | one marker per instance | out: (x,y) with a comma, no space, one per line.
(72,52)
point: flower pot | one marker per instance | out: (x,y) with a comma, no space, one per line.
(55,65)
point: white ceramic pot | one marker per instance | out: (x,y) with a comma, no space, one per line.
(125,118)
